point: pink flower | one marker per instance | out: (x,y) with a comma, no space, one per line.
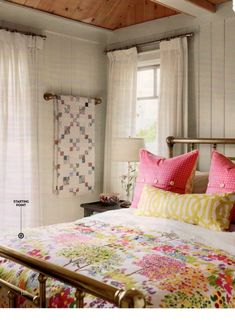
(37,253)
(164,248)
(157,267)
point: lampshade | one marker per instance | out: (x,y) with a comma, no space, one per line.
(127,149)
(234,5)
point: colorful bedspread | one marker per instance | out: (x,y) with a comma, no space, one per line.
(174,264)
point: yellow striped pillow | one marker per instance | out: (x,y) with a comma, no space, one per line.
(211,211)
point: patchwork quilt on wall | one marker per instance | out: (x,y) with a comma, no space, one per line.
(74,163)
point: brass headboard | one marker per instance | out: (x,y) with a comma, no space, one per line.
(191,142)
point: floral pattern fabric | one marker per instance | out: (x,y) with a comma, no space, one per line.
(171,271)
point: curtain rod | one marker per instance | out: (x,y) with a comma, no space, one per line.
(23,32)
(189,34)
(49,96)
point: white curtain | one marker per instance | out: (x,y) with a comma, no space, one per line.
(121,110)
(173,99)
(18,130)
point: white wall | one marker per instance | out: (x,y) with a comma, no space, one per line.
(69,66)
(72,62)
(211,69)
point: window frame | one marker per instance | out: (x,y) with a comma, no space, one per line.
(155,67)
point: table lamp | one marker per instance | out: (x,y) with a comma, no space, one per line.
(127,150)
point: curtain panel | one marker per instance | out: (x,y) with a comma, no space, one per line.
(19,130)
(121,112)
(173,99)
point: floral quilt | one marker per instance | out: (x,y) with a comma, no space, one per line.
(172,271)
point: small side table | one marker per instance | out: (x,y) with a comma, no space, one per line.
(97,207)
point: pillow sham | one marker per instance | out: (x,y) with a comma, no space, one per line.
(200,182)
(211,211)
(172,174)
(221,176)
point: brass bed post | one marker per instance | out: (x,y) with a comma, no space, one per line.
(42,290)
(80,295)
(192,146)
(131,298)
(170,144)
(12,299)
(214,146)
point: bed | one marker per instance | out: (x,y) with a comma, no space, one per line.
(118,259)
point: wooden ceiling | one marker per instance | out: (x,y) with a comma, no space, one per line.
(109,14)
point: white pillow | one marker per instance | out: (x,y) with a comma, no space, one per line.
(200,182)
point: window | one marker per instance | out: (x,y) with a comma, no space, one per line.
(148,79)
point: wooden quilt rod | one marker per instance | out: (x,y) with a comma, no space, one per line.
(49,96)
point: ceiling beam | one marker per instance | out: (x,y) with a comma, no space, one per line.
(196,8)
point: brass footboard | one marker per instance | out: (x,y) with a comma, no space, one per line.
(131,298)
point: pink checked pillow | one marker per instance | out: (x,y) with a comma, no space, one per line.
(172,174)
(221,176)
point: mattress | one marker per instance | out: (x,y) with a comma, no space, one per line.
(174,264)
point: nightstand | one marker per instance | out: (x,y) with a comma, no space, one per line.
(97,207)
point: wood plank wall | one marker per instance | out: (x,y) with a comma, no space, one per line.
(216,84)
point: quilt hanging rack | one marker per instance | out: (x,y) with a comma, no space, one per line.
(48,96)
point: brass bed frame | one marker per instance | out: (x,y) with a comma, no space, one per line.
(192,142)
(83,285)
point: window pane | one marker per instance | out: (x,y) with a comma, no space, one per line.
(146,117)
(145,83)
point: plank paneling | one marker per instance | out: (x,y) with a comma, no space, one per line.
(230,82)
(218,80)
(193,82)
(205,90)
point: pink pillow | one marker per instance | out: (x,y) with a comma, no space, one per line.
(172,174)
(221,176)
